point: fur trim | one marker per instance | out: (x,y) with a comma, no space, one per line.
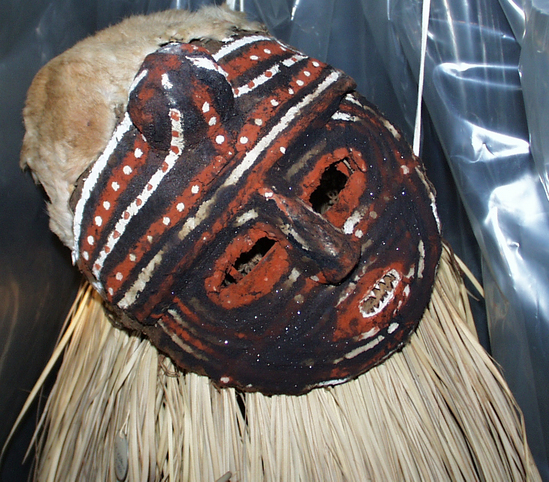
(76,99)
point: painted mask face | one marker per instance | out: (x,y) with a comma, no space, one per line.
(257,219)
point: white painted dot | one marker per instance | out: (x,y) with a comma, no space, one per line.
(85,255)
(243,140)
(98,220)
(90,240)
(306,73)
(299,82)
(405,169)
(133,257)
(115,186)
(119,276)
(291,91)
(220,139)
(195,189)
(274,102)
(268,194)
(373,214)
(180,207)
(166,220)
(283,149)
(316,64)
(149,238)
(212,121)
(392,327)
(258,122)
(267,51)
(359,233)
(205,107)
(165,79)
(106,205)
(254,57)
(127,170)
(138,153)
(111,291)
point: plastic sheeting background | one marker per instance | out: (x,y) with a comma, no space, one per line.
(485,145)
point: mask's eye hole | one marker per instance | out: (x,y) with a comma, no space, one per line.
(332,182)
(249,268)
(247,261)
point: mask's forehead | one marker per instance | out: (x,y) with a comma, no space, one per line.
(251,207)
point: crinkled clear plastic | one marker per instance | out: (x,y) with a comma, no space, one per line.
(485,141)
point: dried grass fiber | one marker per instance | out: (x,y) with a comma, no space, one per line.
(437,410)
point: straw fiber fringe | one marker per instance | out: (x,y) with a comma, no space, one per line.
(437,410)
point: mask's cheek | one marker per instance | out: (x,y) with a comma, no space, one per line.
(371,302)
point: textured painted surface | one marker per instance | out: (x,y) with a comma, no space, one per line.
(257,219)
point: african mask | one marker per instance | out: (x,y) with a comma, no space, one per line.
(257,219)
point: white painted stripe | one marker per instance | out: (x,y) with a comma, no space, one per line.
(435,212)
(206,63)
(348,291)
(92,179)
(391,128)
(138,79)
(294,59)
(344,116)
(144,196)
(351,98)
(177,340)
(289,231)
(429,190)
(421,262)
(259,80)
(142,280)
(247,216)
(368,334)
(328,383)
(361,349)
(236,44)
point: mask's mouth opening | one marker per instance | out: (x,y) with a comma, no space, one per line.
(332,182)
(381,294)
(247,261)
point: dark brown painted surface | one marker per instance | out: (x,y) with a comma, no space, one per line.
(289,243)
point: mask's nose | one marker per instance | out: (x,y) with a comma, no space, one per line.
(325,250)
